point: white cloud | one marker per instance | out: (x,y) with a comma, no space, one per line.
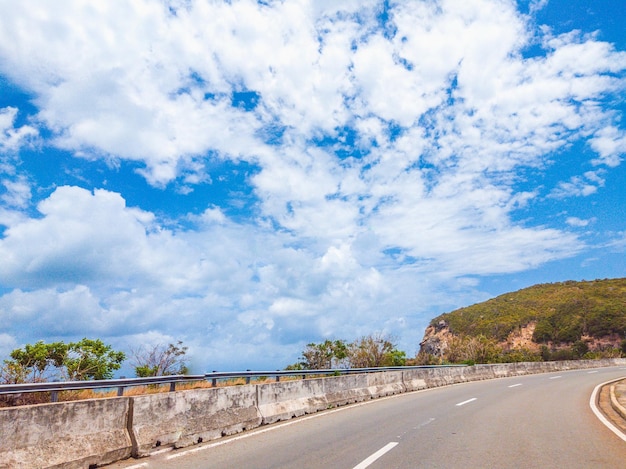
(537,5)
(383,157)
(579,186)
(578,222)
(11,138)
(17,192)
(610,144)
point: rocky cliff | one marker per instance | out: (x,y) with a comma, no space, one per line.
(555,315)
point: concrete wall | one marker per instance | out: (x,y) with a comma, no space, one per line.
(183,418)
(348,389)
(66,434)
(287,399)
(83,433)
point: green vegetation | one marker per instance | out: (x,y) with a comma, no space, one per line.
(572,320)
(564,312)
(374,350)
(86,359)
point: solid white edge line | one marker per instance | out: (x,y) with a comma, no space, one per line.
(278,425)
(385,449)
(467,401)
(592,403)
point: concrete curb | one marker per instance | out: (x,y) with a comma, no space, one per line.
(617,406)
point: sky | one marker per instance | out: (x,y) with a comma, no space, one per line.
(250,176)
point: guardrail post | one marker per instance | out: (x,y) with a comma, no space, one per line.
(214,382)
(54,396)
(120,391)
(173,386)
(278,378)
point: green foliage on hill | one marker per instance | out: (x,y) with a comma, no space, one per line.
(563,312)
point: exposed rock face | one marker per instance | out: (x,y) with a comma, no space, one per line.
(604,342)
(436,339)
(522,338)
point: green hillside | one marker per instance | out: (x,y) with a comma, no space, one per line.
(563,312)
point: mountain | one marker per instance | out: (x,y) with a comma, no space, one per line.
(552,316)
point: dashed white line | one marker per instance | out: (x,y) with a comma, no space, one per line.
(594,371)
(466,402)
(555,377)
(385,449)
(515,385)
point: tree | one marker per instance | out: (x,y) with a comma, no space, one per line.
(91,359)
(369,351)
(324,356)
(87,359)
(161,360)
(374,351)
(33,362)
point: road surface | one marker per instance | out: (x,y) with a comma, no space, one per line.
(536,421)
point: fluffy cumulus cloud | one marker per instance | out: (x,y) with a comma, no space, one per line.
(392,144)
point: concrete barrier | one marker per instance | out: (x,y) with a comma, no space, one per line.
(288,399)
(386,383)
(347,389)
(81,434)
(422,378)
(77,434)
(183,418)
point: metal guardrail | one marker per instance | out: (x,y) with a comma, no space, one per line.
(54,387)
(121,384)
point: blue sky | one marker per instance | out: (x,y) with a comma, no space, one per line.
(248,177)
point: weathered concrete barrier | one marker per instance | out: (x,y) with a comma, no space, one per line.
(76,434)
(347,389)
(183,418)
(386,383)
(288,399)
(81,434)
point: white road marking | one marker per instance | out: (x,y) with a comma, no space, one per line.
(466,402)
(430,420)
(276,426)
(385,449)
(555,377)
(593,404)
(594,371)
(515,385)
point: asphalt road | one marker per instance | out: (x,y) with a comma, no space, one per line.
(537,421)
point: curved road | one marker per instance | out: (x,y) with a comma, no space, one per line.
(537,421)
